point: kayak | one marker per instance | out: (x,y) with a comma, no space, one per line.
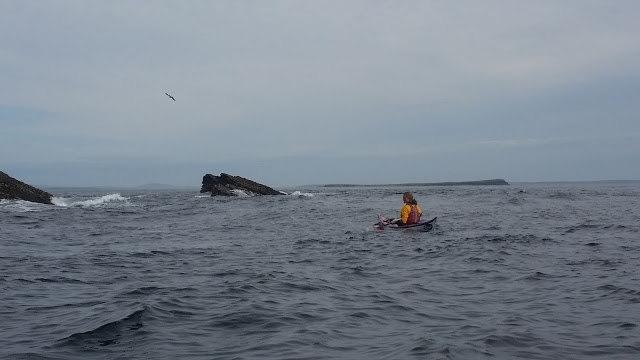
(385,223)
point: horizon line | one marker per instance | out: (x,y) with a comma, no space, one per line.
(163,186)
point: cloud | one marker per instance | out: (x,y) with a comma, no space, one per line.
(258,80)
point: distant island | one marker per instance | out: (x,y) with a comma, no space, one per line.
(448,183)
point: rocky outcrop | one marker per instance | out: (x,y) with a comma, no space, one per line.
(225,185)
(13,189)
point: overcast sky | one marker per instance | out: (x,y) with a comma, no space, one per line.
(313,92)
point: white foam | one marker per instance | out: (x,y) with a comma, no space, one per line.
(242,193)
(301,194)
(102,200)
(59,201)
(21,206)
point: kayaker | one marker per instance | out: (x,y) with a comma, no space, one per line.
(410,212)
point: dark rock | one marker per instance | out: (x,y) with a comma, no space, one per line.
(225,184)
(13,189)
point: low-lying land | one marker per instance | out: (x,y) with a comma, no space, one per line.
(448,183)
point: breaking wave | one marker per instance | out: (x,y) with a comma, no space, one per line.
(95,202)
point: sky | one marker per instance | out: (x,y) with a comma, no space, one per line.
(298,92)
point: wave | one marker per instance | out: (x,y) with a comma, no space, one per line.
(31,356)
(21,206)
(301,194)
(96,202)
(244,193)
(108,334)
(562,195)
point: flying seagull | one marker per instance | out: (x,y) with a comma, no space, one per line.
(170,96)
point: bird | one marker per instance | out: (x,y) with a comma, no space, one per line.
(172,98)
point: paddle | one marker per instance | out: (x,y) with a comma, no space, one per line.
(383,222)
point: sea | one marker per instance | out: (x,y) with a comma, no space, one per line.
(524,271)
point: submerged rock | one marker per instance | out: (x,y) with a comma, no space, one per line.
(227,185)
(13,189)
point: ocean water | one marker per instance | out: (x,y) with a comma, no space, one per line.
(511,272)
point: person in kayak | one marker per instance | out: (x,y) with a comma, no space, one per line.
(410,212)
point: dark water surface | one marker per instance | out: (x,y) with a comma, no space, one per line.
(531,272)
